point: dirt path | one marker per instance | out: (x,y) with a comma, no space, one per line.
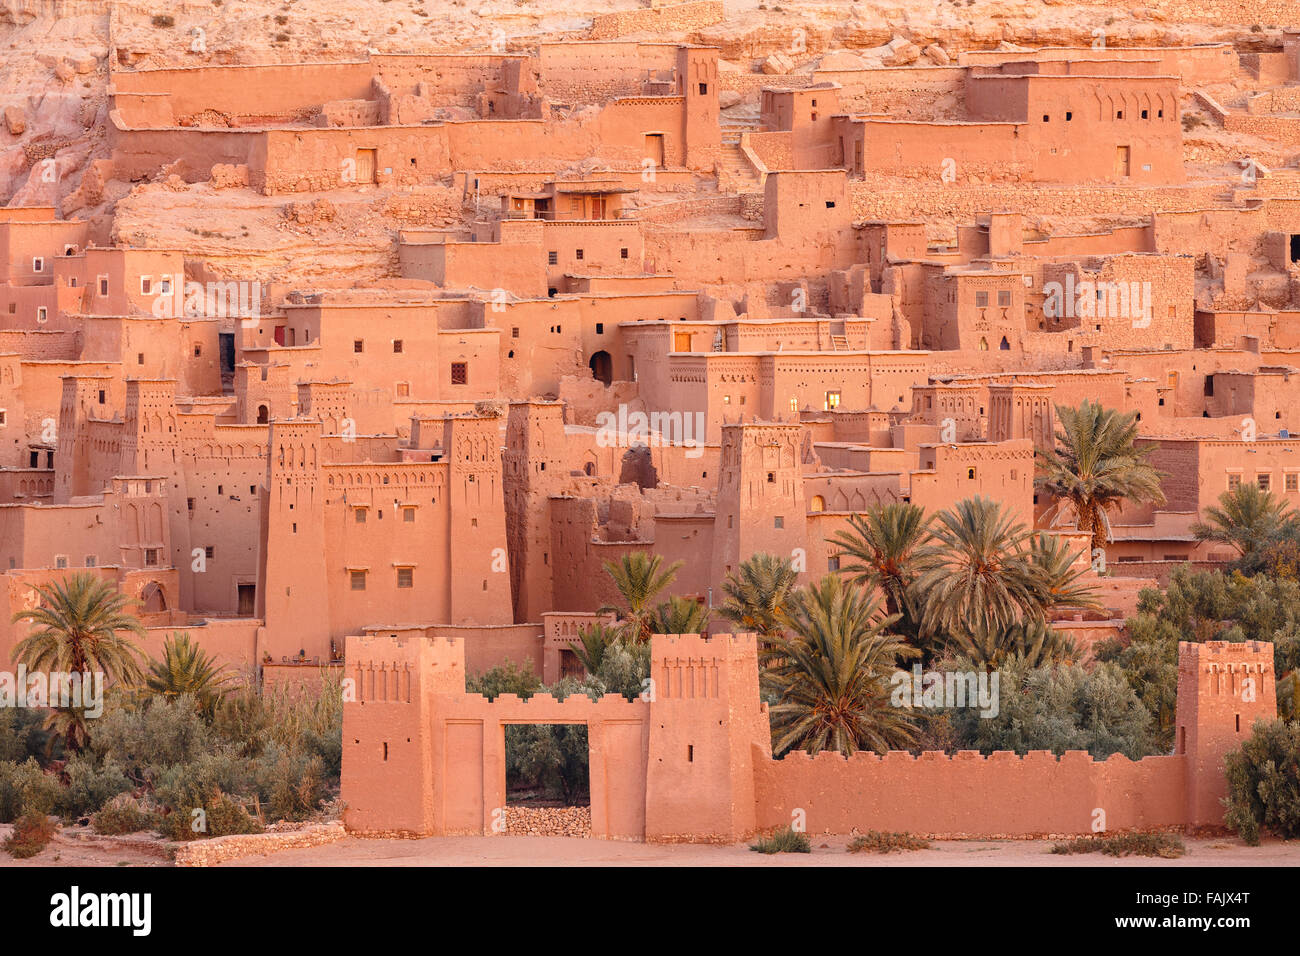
(828,851)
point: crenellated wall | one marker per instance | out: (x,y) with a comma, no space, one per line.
(690,761)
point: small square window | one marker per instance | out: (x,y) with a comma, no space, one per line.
(42,314)
(209,552)
(779,521)
(358,345)
(164,286)
(38,264)
(405,577)
(3,421)
(403,389)
(408,515)
(1264,481)
(704,89)
(833,563)
(146,285)
(1234,482)
(577,254)
(459,373)
(1004,298)
(397,345)
(358,580)
(552,258)
(103,285)
(91,560)
(981,300)
(1291,482)
(198,351)
(1046,118)
(150,557)
(139,358)
(600,328)
(60,560)
(622,253)
(514,332)
(359,515)
(1068,116)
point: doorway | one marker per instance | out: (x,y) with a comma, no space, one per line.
(654,149)
(247,600)
(366,165)
(1122,161)
(602,367)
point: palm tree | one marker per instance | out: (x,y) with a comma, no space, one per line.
(639,577)
(594,640)
(1247,517)
(680,615)
(1058,576)
(76,630)
(980,577)
(757,593)
(834,675)
(1098,466)
(1034,643)
(186,668)
(887,546)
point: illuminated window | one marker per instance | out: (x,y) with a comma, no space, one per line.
(818,503)
(794,404)
(832,399)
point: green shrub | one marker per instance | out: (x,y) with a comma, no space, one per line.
(90,785)
(1059,708)
(783,841)
(507,678)
(26,788)
(1167,845)
(1264,782)
(292,782)
(875,841)
(32,833)
(22,734)
(122,814)
(221,816)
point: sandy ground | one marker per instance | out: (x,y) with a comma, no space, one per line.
(830,851)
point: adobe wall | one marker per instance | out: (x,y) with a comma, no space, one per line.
(968,794)
(691,761)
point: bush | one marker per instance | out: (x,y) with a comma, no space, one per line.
(121,815)
(33,832)
(26,788)
(507,678)
(90,785)
(874,841)
(1264,782)
(221,816)
(1167,845)
(1060,708)
(292,782)
(783,841)
(22,734)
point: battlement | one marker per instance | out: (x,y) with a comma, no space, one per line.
(1032,758)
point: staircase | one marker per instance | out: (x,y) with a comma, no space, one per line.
(735,174)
